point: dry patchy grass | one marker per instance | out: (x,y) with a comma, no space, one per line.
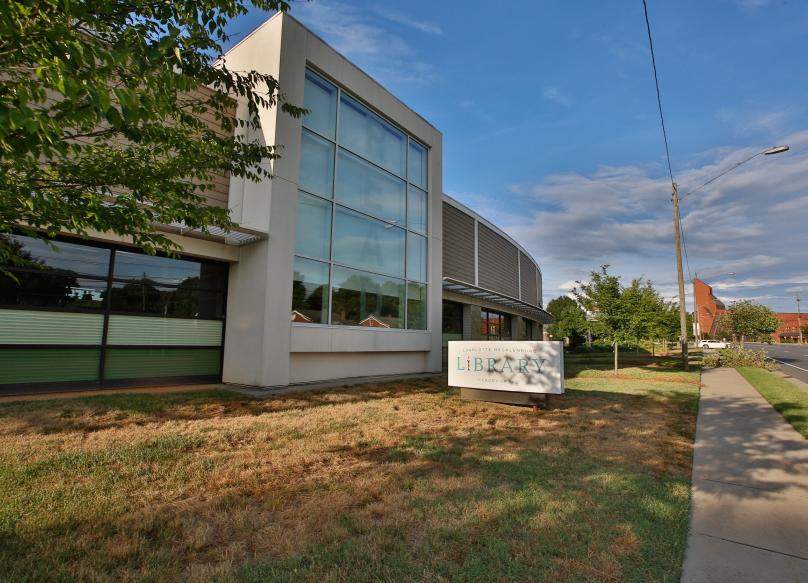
(397,481)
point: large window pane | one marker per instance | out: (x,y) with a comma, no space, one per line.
(170,271)
(366,187)
(416,306)
(416,257)
(368,244)
(52,290)
(310,292)
(369,136)
(313,233)
(362,299)
(320,98)
(316,164)
(416,165)
(416,209)
(184,301)
(62,256)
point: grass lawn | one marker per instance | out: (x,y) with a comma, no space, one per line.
(788,399)
(387,482)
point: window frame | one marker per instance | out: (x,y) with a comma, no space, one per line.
(408,185)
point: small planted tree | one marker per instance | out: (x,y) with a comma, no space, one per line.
(603,296)
(748,320)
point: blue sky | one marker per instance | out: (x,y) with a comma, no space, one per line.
(550,126)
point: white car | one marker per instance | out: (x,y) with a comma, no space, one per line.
(713,344)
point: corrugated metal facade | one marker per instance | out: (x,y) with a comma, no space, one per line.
(498,268)
(458,244)
(43,327)
(527,270)
(151,331)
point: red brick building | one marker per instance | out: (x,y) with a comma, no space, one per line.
(707,309)
(789,329)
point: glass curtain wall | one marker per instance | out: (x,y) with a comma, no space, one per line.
(361,245)
(78,312)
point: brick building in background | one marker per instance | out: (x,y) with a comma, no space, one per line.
(708,309)
(789,329)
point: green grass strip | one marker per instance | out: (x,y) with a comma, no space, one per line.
(785,396)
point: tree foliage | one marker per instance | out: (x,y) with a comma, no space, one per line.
(748,320)
(100,100)
(570,319)
(626,314)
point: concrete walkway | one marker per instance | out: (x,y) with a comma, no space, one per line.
(749,511)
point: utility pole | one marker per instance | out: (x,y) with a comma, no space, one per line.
(696,318)
(682,307)
(799,322)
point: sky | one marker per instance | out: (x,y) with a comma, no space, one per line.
(551,130)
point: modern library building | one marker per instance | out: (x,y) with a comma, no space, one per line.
(349,263)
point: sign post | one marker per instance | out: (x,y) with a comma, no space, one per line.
(516,372)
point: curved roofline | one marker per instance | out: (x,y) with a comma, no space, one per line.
(460,206)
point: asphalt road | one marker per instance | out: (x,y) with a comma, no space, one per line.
(793,358)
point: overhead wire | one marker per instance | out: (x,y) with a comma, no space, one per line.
(656,81)
(664,130)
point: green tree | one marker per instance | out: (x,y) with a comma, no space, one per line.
(750,321)
(102,101)
(604,296)
(570,319)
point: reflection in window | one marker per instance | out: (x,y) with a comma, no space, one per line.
(369,244)
(494,326)
(184,301)
(416,306)
(416,165)
(369,189)
(52,290)
(376,176)
(416,257)
(316,164)
(313,232)
(367,135)
(320,98)
(416,209)
(59,256)
(363,299)
(171,271)
(310,292)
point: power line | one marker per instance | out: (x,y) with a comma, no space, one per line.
(656,80)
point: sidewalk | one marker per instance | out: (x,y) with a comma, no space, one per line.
(749,510)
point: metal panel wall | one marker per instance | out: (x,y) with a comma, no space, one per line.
(154,331)
(498,268)
(527,271)
(458,244)
(46,327)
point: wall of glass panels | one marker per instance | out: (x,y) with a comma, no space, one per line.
(81,312)
(361,243)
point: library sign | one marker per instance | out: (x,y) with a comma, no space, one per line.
(527,366)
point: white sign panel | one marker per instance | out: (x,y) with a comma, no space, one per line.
(528,367)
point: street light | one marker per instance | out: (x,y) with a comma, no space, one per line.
(678,237)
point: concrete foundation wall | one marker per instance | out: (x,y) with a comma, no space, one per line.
(310,367)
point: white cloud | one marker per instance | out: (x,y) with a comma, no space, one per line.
(751,222)
(406,20)
(352,32)
(555,95)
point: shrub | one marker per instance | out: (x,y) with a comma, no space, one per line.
(737,356)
